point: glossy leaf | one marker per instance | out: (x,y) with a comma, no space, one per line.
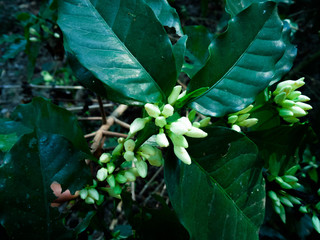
(44,153)
(122,44)
(221,194)
(199,39)
(179,50)
(251,54)
(166,14)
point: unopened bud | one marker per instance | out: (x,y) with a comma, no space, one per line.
(147,150)
(161,121)
(181,95)
(111,181)
(186,122)
(162,140)
(243,117)
(286,201)
(178,128)
(287,103)
(232,119)
(142,168)
(205,122)
(121,140)
(236,128)
(118,150)
(156,159)
(56,35)
(291,119)
(303,209)
(248,122)
(273,195)
(304,106)
(120,178)
(138,124)
(293,95)
(290,178)
(33,39)
(178,140)
(245,110)
(196,133)
(102,174)
(89,200)
(293,199)
(287,90)
(297,111)
(196,124)
(105,157)
(83,193)
(33,31)
(130,176)
(303,98)
(167,110)
(129,145)
(152,110)
(282,183)
(284,112)
(110,167)
(174,95)
(192,115)
(128,156)
(279,98)
(182,154)
(93,193)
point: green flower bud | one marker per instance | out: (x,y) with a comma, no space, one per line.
(304,106)
(129,145)
(316,222)
(273,195)
(178,128)
(298,83)
(134,171)
(178,140)
(162,140)
(93,193)
(293,199)
(293,170)
(161,121)
(293,95)
(303,209)
(277,209)
(192,115)
(174,95)
(118,150)
(243,117)
(147,150)
(128,156)
(248,122)
(291,119)
(196,124)
(245,110)
(182,154)
(33,39)
(279,98)
(130,176)
(289,178)
(152,110)
(282,183)
(297,111)
(138,124)
(287,103)
(157,159)
(89,200)
(284,112)
(186,122)
(105,157)
(167,110)
(83,193)
(232,119)
(287,90)
(102,174)
(110,167)
(196,133)
(121,140)
(236,128)
(33,31)
(205,122)
(56,35)
(286,201)
(303,98)
(111,181)
(142,168)
(120,178)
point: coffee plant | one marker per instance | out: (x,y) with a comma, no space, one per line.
(233,141)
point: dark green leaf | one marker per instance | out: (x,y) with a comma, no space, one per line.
(199,39)
(179,50)
(166,14)
(7,141)
(82,226)
(221,194)
(188,97)
(244,60)
(122,44)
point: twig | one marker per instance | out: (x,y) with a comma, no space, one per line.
(114,134)
(44,87)
(150,181)
(91,107)
(156,190)
(116,120)
(103,113)
(133,187)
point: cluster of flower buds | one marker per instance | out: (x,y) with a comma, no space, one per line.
(90,194)
(292,103)
(241,119)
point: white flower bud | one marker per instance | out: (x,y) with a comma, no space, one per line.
(130,176)
(178,140)
(303,98)
(138,124)
(196,133)
(304,106)
(236,128)
(245,110)
(102,174)
(128,156)
(142,168)
(111,181)
(129,145)
(162,140)
(110,167)
(205,122)
(120,178)
(287,103)
(56,35)
(152,110)
(167,110)
(182,94)
(89,200)
(83,193)
(243,117)
(33,39)
(161,121)
(105,157)
(147,150)
(93,193)
(33,31)
(156,159)
(298,112)
(196,124)
(232,119)
(182,154)
(287,90)
(284,112)
(293,95)
(186,122)
(178,128)
(279,98)
(248,122)
(174,95)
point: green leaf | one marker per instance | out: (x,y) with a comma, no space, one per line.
(244,60)
(167,15)
(7,141)
(179,50)
(189,96)
(199,39)
(50,149)
(221,194)
(122,44)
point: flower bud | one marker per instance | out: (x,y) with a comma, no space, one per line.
(186,122)
(293,199)
(167,110)
(162,140)
(196,133)
(245,110)
(284,112)
(83,193)
(111,181)
(287,90)
(286,201)
(298,83)
(93,193)
(192,115)
(56,35)
(118,150)
(273,195)
(289,178)
(293,95)
(128,156)
(178,140)
(196,124)
(130,176)
(303,98)
(157,159)
(142,168)
(232,119)
(205,122)
(304,106)
(110,167)
(288,103)
(236,128)
(178,128)
(129,145)
(291,119)
(152,110)
(102,174)
(182,154)
(89,200)
(174,95)
(134,171)
(243,117)
(120,178)
(160,121)
(121,140)
(297,111)
(181,95)
(105,157)
(279,98)
(138,124)
(147,150)
(33,31)
(248,122)
(282,183)
(303,209)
